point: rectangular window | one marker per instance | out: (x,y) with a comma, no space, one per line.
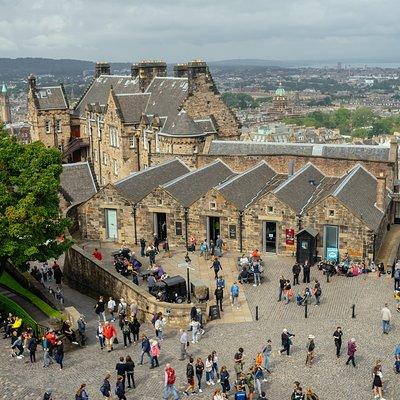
(178,228)
(331,213)
(270,209)
(115,167)
(332,242)
(132,141)
(232,231)
(157,144)
(96,157)
(47,126)
(105,158)
(58,125)
(213,205)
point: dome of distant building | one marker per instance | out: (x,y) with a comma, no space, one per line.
(280,91)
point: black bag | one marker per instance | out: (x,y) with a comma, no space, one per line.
(115,341)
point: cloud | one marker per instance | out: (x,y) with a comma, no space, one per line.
(177,30)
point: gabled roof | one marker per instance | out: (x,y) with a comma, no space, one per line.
(193,185)
(243,188)
(50,98)
(99,89)
(181,125)
(77,182)
(357,191)
(299,188)
(131,106)
(138,185)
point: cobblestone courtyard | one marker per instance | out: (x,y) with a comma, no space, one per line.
(329,376)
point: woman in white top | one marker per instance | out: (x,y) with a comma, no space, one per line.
(111,308)
(208,367)
(244,261)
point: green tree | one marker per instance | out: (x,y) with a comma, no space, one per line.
(362,117)
(30,220)
(382,126)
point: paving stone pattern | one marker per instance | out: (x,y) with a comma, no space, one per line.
(329,376)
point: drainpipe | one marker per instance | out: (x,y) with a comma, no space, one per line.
(138,154)
(134,222)
(241,230)
(374,248)
(186,227)
(299,223)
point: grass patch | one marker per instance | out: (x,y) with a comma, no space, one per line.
(11,306)
(9,282)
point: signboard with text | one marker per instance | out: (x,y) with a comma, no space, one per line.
(290,236)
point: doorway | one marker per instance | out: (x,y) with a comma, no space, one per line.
(111,224)
(213,228)
(331,242)
(160,226)
(269,236)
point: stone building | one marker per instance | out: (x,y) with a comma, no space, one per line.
(5,110)
(49,115)
(120,122)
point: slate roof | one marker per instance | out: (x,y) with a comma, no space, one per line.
(354,152)
(138,185)
(77,183)
(357,191)
(206,125)
(243,188)
(190,187)
(181,125)
(99,90)
(299,188)
(50,97)
(132,106)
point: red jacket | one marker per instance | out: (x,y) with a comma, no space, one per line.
(351,348)
(109,331)
(98,255)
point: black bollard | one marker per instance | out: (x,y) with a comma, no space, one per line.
(353,314)
(256,313)
(327,276)
(305,309)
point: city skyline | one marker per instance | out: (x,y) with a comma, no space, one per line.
(176,31)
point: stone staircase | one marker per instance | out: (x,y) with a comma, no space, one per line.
(389,249)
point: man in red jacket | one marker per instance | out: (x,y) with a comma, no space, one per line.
(97,254)
(109,333)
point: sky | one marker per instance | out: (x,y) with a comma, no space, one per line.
(181,30)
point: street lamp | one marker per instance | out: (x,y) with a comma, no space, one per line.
(188,267)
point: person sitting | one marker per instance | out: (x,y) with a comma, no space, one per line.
(299,299)
(68,332)
(16,326)
(244,275)
(244,261)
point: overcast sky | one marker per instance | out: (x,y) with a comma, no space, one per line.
(179,30)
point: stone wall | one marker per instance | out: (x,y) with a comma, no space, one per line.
(258,213)
(92,216)
(92,278)
(205,100)
(354,236)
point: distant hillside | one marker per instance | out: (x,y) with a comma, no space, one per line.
(21,67)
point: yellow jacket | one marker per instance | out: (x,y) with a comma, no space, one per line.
(17,323)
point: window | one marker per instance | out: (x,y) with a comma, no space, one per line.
(114,138)
(270,209)
(178,228)
(159,202)
(47,126)
(331,213)
(115,167)
(105,158)
(145,144)
(96,157)
(132,141)
(213,205)
(58,125)
(157,144)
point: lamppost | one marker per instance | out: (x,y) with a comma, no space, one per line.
(187,265)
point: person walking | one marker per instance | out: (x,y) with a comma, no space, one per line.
(219,244)
(217,266)
(196,329)
(120,367)
(199,368)
(183,340)
(142,247)
(111,308)
(99,309)
(100,336)
(46,352)
(219,296)
(81,393)
(169,383)
(317,292)
(310,350)
(209,371)
(296,269)
(310,395)
(32,347)
(105,388)
(386,317)
(377,382)
(155,353)
(59,354)
(215,365)
(82,330)
(47,395)
(351,351)
(189,377)
(204,249)
(224,376)
(159,325)
(120,388)
(109,334)
(267,352)
(286,342)
(337,336)
(396,276)
(135,329)
(130,369)
(282,284)
(235,295)
(126,332)
(306,272)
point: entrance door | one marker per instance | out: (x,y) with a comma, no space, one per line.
(270,237)
(160,225)
(331,241)
(214,229)
(111,222)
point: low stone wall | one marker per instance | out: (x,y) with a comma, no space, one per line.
(88,276)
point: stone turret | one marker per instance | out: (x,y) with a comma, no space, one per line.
(5,111)
(147,70)
(102,68)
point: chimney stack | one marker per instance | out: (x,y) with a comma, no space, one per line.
(393,150)
(381,192)
(180,70)
(32,81)
(147,70)
(102,68)
(195,69)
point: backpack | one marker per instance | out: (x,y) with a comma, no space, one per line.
(189,370)
(170,376)
(397,274)
(126,328)
(103,389)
